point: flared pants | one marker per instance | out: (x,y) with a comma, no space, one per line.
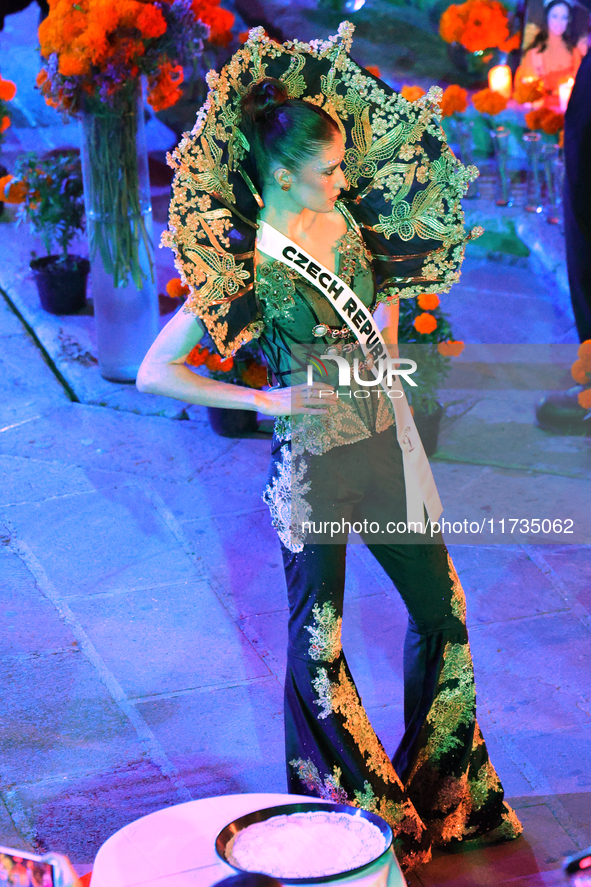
(440,786)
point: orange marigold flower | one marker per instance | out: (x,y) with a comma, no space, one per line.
(450,349)
(553,123)
(213,361)
(73,65)
(428,301)
(477,25)
(579,373)
(175,288)
(242,36)
(527,91)
(7,90)
(197,356)
(255,375)
(455,100)
(412,93)
(488,102)
(41,77)
(451,24)
(164,88)
(584,354)
(150,22)
(16,191)
(220,21)
(424,323)
(584,398)
(4,123)
(534,119)
(373,69)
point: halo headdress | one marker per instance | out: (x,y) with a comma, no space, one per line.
(405,183)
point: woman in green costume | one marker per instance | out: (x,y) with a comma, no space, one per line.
(362,183)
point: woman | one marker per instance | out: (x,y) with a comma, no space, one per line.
(553,56)
(336,458)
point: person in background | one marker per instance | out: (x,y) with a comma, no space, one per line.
(561,411)
(553,56)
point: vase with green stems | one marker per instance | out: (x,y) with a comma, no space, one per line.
(553,166)
(119,225)
(534,202)
(504,194)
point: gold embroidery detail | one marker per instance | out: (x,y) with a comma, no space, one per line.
(325,634)
(458,598)
(344,700)
(389,151)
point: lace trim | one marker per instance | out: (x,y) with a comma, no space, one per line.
(284,495)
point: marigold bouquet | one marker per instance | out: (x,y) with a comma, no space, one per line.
(93,48)
(454,100)
(7,93)
(94,55)
(425,335)
(246,368)
(478,25)
(546,120)
(489,102)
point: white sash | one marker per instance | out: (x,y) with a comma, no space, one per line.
(418,478)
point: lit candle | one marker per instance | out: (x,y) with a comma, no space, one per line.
(564,91)
(500,80)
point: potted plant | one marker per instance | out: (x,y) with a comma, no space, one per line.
(246,368)
(48,191)
(7,93)
(425,336)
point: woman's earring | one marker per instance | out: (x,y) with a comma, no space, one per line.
(286,187)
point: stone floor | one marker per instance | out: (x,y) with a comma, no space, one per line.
(143,612)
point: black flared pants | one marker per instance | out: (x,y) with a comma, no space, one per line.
(440,786)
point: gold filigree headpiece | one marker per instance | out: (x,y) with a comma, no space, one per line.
(405,184)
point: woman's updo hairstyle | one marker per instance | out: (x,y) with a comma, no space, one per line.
(282,130)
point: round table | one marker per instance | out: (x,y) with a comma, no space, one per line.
(175,847)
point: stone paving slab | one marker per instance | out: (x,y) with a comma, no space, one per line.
(104,540)
(76,814)
(223,739)
(495,573)
(531,672)
(75,729)
(167,638)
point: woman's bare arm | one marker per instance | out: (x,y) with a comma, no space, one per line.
(163,371)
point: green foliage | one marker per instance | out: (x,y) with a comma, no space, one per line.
(53,205)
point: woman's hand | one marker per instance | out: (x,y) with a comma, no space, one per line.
(313,400)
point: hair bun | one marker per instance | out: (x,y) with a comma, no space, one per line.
(263,99)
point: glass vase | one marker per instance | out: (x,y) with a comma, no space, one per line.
(504,195)
(553,167)
(119,228)
(465,141)
(533,203)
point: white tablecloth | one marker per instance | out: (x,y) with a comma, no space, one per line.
(175,847)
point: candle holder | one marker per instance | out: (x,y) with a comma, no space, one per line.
(465,141)
(504,195)
(553,168)
(533,202)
